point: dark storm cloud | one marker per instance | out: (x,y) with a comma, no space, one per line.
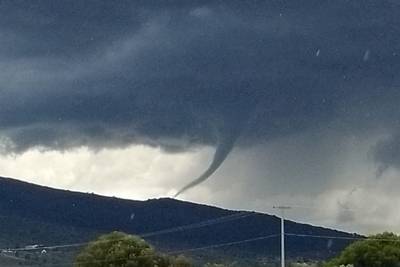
(178,74)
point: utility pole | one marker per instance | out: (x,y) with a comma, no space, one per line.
(282,211)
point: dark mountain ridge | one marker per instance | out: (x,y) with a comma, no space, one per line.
(86,215)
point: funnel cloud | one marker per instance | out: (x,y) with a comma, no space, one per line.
(221,153)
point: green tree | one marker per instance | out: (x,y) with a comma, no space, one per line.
(381,250)
(122,250)
(181,261)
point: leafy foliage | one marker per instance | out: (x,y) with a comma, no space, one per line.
(122,250)
(382,250)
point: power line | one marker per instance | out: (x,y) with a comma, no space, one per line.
(218,245)
(326,237)
(225,244)
(214,221)
(343,237)
(218,220)
(200,224)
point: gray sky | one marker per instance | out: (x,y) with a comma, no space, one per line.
(132,98)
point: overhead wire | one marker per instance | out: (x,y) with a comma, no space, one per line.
(342,237)
(213,221)
(225,244)
(223,219)
(218,245)
(212,246)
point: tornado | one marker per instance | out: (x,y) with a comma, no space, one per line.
(229,132)
(221,153)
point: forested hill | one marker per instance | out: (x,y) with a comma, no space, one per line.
(55,216)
